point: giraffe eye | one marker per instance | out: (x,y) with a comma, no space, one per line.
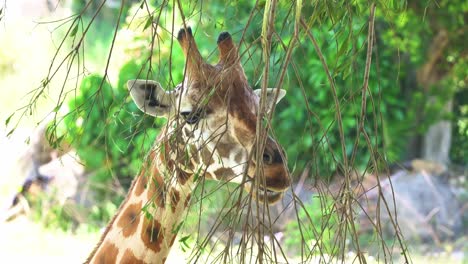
(267,158)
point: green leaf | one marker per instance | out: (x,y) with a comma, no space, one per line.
(185,245)
(57,107)
(148,23)
(56,144)
(184,239)
(197,175)
(147,214)
(344,47)
(74,31)
(7,121)
(177,228)
(11,132)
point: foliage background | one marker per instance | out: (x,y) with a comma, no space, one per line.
(393,118)
(110,135)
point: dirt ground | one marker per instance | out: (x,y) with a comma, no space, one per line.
(22,241)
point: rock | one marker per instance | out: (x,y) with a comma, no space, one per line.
(65,174)
(422,201)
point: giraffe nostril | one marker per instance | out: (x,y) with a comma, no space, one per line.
(191,117)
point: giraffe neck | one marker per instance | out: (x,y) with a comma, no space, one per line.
(146,224)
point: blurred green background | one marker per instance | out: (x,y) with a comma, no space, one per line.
(417,80)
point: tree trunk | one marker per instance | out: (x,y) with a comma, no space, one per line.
(437,139)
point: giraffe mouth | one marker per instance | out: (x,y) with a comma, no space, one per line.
(269,195)
(264,194)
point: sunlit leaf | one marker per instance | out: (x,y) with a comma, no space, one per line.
(148,23)
(74,30)
(11,132)
(7,121)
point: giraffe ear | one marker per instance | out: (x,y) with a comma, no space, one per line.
(150,97)
(271,94)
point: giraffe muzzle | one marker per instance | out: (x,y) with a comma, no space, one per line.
(263,194)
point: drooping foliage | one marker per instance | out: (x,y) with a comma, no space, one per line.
(112,146)
(307,123)
(335,117)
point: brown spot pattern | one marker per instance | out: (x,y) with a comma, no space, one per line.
(156,190)
(187,200)
(130,258)
(152,235)
(107,254)
(224,173)
(110,225)
(175,198)
(207,157)
(170,165)
(141,184)
(182,176)
(245,130)
(224,149)
(172,240)
(129,219)
(239,156)
(187,131)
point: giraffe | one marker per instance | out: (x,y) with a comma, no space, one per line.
(211,133)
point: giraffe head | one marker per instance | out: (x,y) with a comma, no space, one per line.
(213,113)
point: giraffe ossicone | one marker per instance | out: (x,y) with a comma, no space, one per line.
(211,133)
